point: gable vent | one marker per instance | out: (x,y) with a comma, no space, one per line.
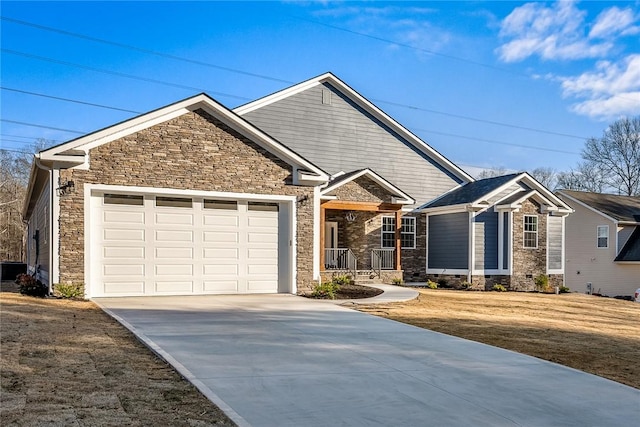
(326,97)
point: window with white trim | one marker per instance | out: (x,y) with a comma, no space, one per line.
(603,236)
(530,233)
(407,232)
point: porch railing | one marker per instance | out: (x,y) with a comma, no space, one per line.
(382,259)
(340,259)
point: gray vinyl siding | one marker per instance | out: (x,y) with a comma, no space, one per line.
(554,227)
(486,241)
(40,222)
(341,136)
(448,240)
(507,192)
(505,241)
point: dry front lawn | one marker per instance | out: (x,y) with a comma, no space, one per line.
(68,363)
(593,334)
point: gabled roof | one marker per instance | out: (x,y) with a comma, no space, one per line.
(476,195)
(472,191)
(365,105)
(75,152)
(400,196)
(631,250)
(617,208)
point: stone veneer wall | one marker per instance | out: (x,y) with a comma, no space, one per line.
(528,262)
(192,152)
(414,261)
(362,189)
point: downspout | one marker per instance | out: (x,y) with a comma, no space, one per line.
(50,228)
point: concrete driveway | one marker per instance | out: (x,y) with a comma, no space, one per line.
(282,360)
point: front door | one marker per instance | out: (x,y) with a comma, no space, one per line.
(330,244)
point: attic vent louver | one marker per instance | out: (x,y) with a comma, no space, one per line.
(326,97)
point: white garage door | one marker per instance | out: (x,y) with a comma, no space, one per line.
(158,245)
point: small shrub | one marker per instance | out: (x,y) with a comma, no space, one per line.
(68,290)
(431,284)
(465,285)
(564,290)
(498,288)
(397,281)
(342,280)
(31,287)
(326,290)
(542,283)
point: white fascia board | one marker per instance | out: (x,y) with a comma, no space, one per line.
(500,189)
(529,180)
(441,210)
(573,199)
(404,198)
(172,111)
(368,106)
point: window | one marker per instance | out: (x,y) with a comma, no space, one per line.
(388,232)
(123,199)
(261,206)
(173,202)
(407,232)
(530,231)
(230,205)
(603,236)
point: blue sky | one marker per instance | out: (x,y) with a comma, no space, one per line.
(481,82)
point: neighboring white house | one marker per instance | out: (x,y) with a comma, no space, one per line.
(602,243)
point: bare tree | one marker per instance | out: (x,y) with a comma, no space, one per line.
(586,177)
(14,178)
(491,173)
(617,154)
(545,176)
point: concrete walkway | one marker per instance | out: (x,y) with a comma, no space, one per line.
(282,360)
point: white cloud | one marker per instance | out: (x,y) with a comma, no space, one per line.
(559,32)
(611,90)
(614,21)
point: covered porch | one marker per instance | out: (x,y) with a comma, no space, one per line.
(360,228)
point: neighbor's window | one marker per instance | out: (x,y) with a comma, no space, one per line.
(407,232)
(530,231)
(603,236)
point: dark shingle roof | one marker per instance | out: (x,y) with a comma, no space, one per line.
(620,208)
(472,191)
(631,249)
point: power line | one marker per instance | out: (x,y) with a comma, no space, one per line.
(69,100)
(459,116)
(42,126)
(143,50)
(493,141)
(115,73)
(29,137)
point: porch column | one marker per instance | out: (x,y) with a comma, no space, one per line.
(398,242)
(322,237)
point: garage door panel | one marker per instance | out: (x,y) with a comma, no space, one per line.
(174,218)
(220,269)
(123,269)
(122,217)
(224,247)
(174,269)
(120,288)
(129,252)
(220,286)
(174,287)
(174,253)
(220,253)
(220,237)
(174,236)
(123,235)
(221,220)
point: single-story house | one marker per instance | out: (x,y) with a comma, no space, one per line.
(274,196)
(603,243)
